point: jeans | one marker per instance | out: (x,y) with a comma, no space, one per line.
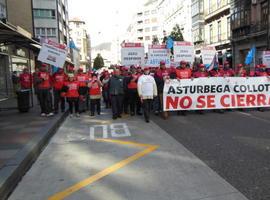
(73,103)
(147,104)
(117,105)
(45,98)
(58,99)
(95,105)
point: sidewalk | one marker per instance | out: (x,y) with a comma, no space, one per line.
(126,159)
(22,138)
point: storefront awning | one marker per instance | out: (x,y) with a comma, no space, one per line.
(12,35)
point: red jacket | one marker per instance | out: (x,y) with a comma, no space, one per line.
(200,74)
(133,83)
(26,80)
(73,89)
(219,73)
(82,79)
(229,73)
(161,73)
(95,88)
(258,73)
(46,80)
(183,73)
(59,80)
(241,73)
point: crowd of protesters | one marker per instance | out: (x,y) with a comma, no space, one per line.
(126,90)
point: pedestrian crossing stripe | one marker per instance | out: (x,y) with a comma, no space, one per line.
(148,148)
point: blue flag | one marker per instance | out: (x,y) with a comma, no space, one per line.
(169,43)
(250,56)
(72,45)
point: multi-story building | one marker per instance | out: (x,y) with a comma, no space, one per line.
(146,24)
(174,12)
(197,14)
(250,20)
(217,27)
(18,50)
(51,20)
(81,38)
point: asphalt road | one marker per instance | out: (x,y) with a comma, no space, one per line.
(235,144)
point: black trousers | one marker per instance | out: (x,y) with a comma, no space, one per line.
(58,99)
(95,105)
(147,104)
(45,98)
(134,101)
(125,102)
(73,103)
(117,105)
(106,97)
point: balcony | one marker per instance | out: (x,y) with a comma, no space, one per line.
(217,40)
(216,9)
(249,31)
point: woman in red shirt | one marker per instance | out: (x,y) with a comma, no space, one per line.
(71,92)
(95,95)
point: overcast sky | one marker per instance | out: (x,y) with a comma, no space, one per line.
(104,17)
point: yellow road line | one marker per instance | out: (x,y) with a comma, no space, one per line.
(67,192)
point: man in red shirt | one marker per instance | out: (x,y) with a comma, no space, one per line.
(83,80)
(182,72)
(26,79)
(43,82)
(201,72)
(241,71)
(58,81)
(228,71)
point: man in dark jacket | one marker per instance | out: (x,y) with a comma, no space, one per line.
(116,90)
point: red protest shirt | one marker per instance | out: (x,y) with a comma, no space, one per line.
(241,73)
(82,79)
(229,73)
(73,89)
(133,83)
(95,88)
(183,73)
(26,80)
(47,80)
(162,73)
(219,73)
(261,73)
(200,74)
(59,80)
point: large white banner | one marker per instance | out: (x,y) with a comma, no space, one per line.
(157,53)
(132,54)
(183,51)
(216,93)
(208,54)
(266,58)
(53,53)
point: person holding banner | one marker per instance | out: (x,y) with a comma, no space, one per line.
(161,75)
(228,71)
(58,78)
(182,71)
(241,71)
(201,72)
(217,72)
(147,90)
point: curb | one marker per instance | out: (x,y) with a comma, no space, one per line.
(16,168)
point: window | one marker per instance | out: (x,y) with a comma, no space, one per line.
(147,37)
(219,31)
(43,31)
(228,27)
(44,13)
(37,31)
(147,29)
(147,21)
(154,20)
(155,28)
(146,12)
(154,12)
(264,13)
(211,33)
(218,3)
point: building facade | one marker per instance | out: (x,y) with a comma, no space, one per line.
(146,24)
(217,31)
(250,21)
(197,15)
(51,20)
(174,12)
(81,38)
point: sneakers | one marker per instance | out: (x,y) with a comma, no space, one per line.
(78,115)
(43,115)
(50,114)
(70,115)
